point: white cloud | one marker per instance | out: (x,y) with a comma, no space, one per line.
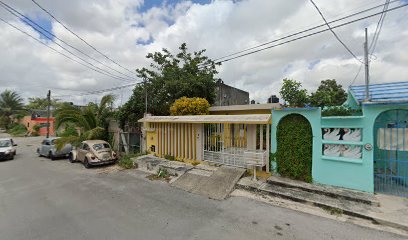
(222,27)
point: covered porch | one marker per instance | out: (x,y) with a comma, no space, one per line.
(235,140)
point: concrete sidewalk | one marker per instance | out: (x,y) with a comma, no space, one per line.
(382,209)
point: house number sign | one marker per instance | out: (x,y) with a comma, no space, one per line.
(368,147)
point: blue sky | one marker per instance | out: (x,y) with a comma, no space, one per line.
(148,4)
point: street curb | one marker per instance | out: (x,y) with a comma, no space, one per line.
(375,220)
(322,190)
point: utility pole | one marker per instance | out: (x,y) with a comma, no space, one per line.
(145,88)
(367,75)
(48,113)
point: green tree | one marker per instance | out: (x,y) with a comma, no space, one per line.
(10,103)
(329,93)
(42,103)
(292,93)
(168,78)
(92,120)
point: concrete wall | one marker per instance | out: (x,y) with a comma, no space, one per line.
(350,173)
(227,95)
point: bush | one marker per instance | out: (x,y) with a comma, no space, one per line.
(18,130)
(169,157)
(294,148)
(190,106)
(338,111)
(126,162)
(162,173)
(69,131)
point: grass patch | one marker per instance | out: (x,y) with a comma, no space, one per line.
(161,174)
(18,130)
(126,162)
(333,211)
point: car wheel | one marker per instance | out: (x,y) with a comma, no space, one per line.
(38,152)
(12,157)
(86,163)
(71,158)
(51,156)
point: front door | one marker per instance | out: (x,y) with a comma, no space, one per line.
(391,153)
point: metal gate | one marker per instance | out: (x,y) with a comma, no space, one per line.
(391,153)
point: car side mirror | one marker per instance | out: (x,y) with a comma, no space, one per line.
(15,144)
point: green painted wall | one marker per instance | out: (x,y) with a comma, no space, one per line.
(337,171)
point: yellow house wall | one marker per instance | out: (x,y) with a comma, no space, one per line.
(174,139)
(152,139)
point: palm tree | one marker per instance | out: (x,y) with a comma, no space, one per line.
(10,103)
(90,120)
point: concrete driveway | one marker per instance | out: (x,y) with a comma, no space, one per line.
(44,199)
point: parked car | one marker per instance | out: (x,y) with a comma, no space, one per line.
(49,149)
(93,153)
(7,149)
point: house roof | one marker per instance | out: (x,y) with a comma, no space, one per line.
(264,106)
(243,119)
(382,93)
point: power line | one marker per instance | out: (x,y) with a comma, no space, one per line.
(100,90)
(379,27)
(55,50)
(310,34)
(64,48)
(80,38)
(30,22)
(334,33)
(292,40)
(375,37)
(303,31)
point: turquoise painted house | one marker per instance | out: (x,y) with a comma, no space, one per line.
(367,152)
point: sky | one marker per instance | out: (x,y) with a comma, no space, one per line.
(127,30)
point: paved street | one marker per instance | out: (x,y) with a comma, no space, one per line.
(43,199)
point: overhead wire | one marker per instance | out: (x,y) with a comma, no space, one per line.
(79,37)
(303,31)
(334,33)
(55,50)
(42,31)
(310,34)
(378,28)
(375,38)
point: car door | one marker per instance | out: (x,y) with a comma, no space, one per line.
(44,147)
(83,151)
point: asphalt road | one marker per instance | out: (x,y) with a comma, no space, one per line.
(44,199)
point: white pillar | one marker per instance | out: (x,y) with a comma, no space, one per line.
(267,147)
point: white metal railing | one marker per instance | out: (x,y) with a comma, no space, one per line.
(237,157)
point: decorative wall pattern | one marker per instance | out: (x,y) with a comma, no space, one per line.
(345,137)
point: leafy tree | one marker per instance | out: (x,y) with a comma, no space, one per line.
(190,106)
(42,103)
(92,121)
(168,78)
(10,103)
(329,93)
(292,93)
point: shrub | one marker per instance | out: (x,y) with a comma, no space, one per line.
(190,106)
(126,162)
(294,148)
(169,157)
(17,130)
(338,111)
(162,173)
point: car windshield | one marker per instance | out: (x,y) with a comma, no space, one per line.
(5,143)
(99,146)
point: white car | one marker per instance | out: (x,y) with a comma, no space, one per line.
(49,149)
(7,149)
(93,153)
